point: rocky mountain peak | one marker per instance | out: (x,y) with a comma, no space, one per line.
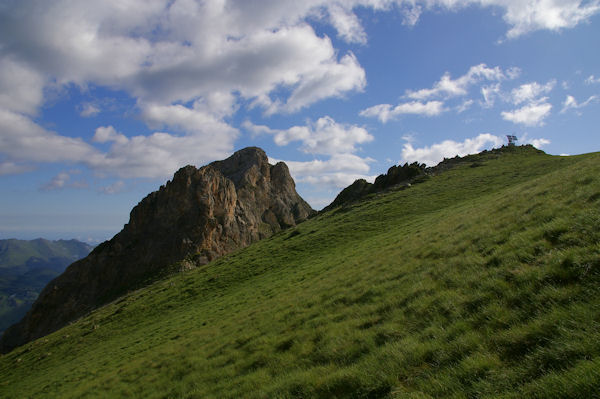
(200,214)
(238,166)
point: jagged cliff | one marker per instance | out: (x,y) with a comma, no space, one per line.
(203,213)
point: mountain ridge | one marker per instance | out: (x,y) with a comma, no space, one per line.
(482,281)
(203,213)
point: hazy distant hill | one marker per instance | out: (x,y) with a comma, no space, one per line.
(26,267)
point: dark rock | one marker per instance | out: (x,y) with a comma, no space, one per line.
(201,214)
(395,176)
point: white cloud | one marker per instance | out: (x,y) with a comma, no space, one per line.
(532,114)
(435,153)
(25,141)
(592,79)
(12,168)
(325,136)
(571,103)
(114,188)
(196,120)
(411,15)
(63,180)
(105,134)
(327,81)
(168,53)
(522,16)
(214,55)
(339,171)
(385,112)
(347,24)
(88,110)
(489,94)
(447,87)
(464,106)
(531,91)
(20,86)
(157,155)
(57,182)
(528,16)
(538,143)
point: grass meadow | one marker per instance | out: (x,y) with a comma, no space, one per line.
(482,281)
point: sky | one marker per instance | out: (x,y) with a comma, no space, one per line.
(102,102)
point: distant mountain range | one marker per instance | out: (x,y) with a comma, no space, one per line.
(25,269)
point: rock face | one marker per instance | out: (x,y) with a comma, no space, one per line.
(203,213)
(396,175)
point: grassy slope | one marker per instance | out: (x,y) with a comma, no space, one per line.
(479,282)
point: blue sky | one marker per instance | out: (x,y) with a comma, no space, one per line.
(100,103)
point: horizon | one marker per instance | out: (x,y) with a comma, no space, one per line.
(101,103)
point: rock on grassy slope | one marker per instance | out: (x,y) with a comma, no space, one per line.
(201,214)
(479,282)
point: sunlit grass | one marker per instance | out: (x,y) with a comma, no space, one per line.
(480,282)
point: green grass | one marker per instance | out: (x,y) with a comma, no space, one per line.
(480,282)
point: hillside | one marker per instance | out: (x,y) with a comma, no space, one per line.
(481,281)
(203,213)
(26,267)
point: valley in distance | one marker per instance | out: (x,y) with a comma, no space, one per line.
(479,277)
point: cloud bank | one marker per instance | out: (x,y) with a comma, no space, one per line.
(189,66)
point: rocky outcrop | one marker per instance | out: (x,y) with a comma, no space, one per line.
(396,176)
(202,213)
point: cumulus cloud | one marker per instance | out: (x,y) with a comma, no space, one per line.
(531,91)
(431,101)
(339,171)
(532,114)
(22,140)
(88,110)
(63,180)
(336,141)
(189,64)
(523,16)
(157,155)
(464,106)
(435,153)
(571,103)
(592,79)
(106,134)
(114,188)
(325,136)
(538,143)
(21,87)
(385,112)
(347,24)
(447,87)
(535,108)
(12,168)
(528,16)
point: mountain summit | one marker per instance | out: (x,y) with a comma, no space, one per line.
(198,216)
